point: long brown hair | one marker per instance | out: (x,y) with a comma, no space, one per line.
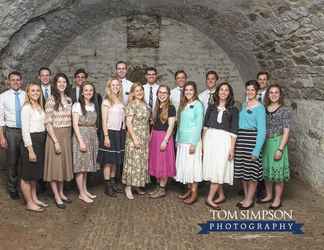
(230,99)
(40,100)
(184,101)
(56,93)
(162,111)
(267,100)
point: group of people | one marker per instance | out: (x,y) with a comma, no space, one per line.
(58,133)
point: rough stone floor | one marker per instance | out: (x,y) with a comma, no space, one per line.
(150,224)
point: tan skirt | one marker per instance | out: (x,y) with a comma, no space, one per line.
(58,167)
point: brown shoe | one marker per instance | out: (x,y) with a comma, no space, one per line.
(192,198)
(159,193)
(185,195)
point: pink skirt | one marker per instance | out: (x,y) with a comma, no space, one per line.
(161,163)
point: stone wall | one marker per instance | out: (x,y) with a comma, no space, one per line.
(181,46)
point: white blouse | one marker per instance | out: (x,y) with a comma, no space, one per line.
(32,121)
(76,108)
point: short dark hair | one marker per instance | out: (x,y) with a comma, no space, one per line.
(212,72)
(150,69)
(15,73)
(253,83)
(263,73)
(81,71)
(44,68)
(267,100)
(180,72)
(121,62)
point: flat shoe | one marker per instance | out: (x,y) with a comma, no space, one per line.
(87,202)
(212,206)
(241,207)
(68,200)
(42,204)
(262,202)
(275,208)
(60,205)
(238,204)
(40,210)
(220,202)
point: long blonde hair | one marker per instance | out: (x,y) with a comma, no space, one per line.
(109,94)
(132,90)
(40,100)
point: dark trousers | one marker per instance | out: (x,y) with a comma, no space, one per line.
(14,155)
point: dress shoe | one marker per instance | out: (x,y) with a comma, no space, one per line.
(37,210)
(139,191)
(60,205)
(14,195)
(221,201)
(192,198)
(264,201)
(67,200)
(213,206)
(128,192)
(109,190)
(185,195)
(159,193)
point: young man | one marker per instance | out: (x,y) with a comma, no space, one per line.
(262,78)
(11,102)
(80,77)
(44,76)
(176,93)
(121,71)
(151,87)
(207,96)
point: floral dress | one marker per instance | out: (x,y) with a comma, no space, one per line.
(135,171)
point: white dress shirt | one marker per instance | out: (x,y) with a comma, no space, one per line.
(176,97)
(8,107)
(48,87)
(76,108)
(77,93)
(32,121)
(204,97)
(126,89)
(155,88)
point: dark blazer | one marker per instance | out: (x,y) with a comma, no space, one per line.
(43,94)
(73,95)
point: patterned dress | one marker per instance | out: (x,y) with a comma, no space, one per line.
(85,161)
(135,171)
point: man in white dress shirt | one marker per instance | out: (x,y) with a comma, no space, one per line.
(262,78)
(181,79)
(80,77)
(121,71)
(151,87)
(44,76)
(207,96)
(11,102)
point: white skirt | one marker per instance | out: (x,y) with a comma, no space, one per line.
(188,166)
(216,166)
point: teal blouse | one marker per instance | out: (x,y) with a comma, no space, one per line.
(191,123)
(254,118)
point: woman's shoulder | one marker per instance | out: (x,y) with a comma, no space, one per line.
(26,107)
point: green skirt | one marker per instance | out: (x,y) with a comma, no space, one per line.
(273,170)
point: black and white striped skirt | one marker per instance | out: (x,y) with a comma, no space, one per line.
(245,168)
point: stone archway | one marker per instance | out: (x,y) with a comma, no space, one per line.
(283,37)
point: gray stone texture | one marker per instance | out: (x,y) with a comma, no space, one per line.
(285,37)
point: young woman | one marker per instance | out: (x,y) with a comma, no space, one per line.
(112,145)
(219,136)
(275,151)
(250,139)
(189,149)
(161,147)
(34,136)
(58,149)
(135,171)
(85,140)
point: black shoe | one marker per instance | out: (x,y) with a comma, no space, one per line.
(115,186)
(14,195)
(109,189)
(60,205)
(241,207)
(275,208)
(68,200)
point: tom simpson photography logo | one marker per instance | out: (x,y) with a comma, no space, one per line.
(251,221)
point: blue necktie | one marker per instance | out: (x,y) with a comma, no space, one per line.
(18,110)
(46,93)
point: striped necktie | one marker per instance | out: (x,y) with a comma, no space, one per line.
(151,98)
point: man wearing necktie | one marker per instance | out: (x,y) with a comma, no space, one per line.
(44,76)
(11,102)
(262,78)
(151,87)
(121,71)
(207,96)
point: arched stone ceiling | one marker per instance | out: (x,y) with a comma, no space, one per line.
(274,35)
